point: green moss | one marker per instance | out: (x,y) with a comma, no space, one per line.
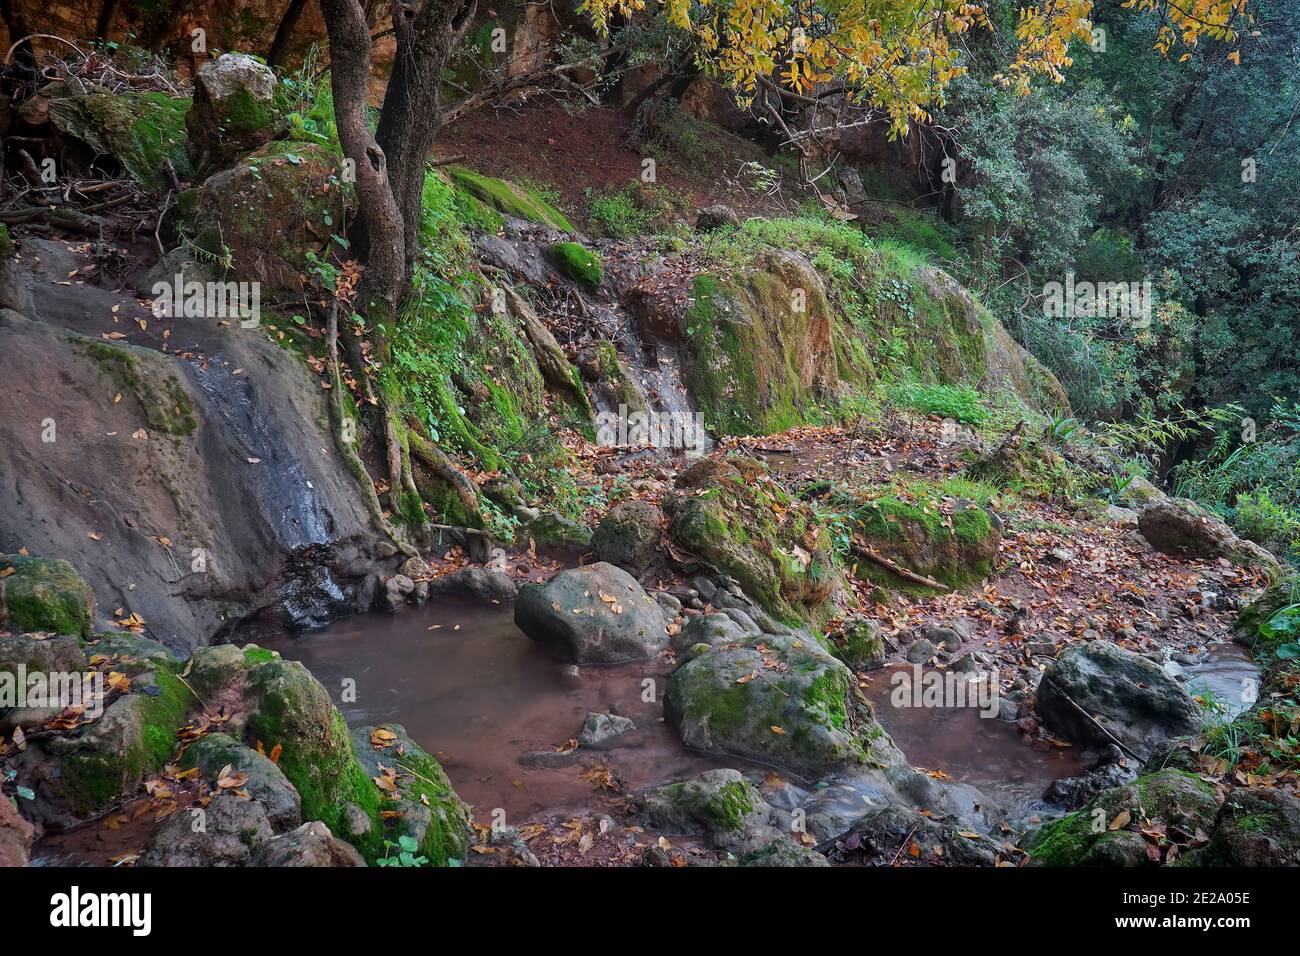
(142,131)
(45,594)
(731,805)
(510,198)
(160,394)
(317,759)
(579,263)
(6,243)
(95,778)
(826,697)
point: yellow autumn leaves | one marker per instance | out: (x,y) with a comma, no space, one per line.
(900,55)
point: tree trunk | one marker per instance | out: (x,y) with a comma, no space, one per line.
(412,114)
(284,32)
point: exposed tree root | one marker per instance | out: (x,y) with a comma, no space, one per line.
(338,415)
(445,470)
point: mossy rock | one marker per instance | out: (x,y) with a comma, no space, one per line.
(1256,828)
(45,594)
(109,760)
(236,109)
(274,702)
(266,782)
(142,131)
(424,806)
(721,803)
(743,524)
(952,541)
(149,378)
(1025,464)
(1085,837)
(265,214)
(553,529)
(780,700)
(1271,600)
(859,643)
(577,262)
(510,198)
(760,346)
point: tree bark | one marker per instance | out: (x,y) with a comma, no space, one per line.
(427,35)
(284,32)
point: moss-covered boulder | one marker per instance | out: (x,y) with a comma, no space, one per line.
(778,699)
(1272,599)
(264,782)
(142,132)
(628,536)
(920,529)
(859,643)
(761,347)
(596,614)
(1181,527)
(510,198)
(736,518)
(235,110)
(720,803)
(84,772)
(575,261)
(418,799)
(1107,831)
(44,595)
(1256,828)
(265,214)
(1132,698)
(278,703)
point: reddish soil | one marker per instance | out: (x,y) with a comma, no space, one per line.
(574,152)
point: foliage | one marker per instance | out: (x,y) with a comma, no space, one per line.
(958,402)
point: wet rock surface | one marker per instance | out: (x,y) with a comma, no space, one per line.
(597,614)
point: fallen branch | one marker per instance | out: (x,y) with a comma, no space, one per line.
(1093,720)
(862,551)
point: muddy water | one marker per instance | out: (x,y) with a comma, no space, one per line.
(983,751)
(470,688)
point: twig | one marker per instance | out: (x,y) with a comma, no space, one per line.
(1092,720)
(862,551)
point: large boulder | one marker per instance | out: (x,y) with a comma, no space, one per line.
(778,699)
(234,111)
(741,522)
(628,536)
(597,614)
(1133,698)
(265,214)
(227,832)
(1108,830)
(44,595)
(1183,528)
